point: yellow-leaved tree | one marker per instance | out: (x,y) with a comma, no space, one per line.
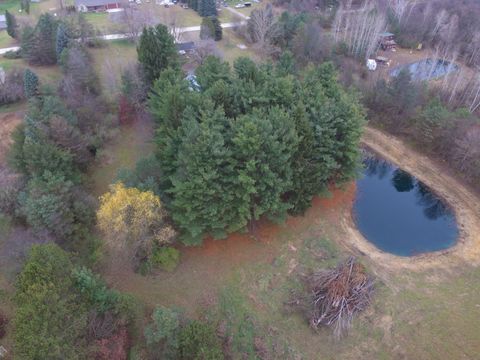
(130,219)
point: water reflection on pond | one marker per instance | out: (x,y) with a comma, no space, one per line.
(398,213)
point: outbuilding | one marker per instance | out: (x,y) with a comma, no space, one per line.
(387,41)
(3,22)
(96,5)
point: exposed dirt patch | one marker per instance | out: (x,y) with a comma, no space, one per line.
(8,123)
(204,269)
(465,204)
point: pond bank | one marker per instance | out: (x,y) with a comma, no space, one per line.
(465,204)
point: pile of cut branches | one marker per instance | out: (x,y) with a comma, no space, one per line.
(336,295)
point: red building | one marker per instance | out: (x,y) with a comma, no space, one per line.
(96,5)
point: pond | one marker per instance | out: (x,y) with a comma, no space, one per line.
(398,213)
(427,69)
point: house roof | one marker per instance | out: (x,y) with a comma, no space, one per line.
(385,34)
(3,18)
(187,46)
(95,2)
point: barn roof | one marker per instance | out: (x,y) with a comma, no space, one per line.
(94,2)
(187,46)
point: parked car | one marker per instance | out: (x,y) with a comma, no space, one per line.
(239,6)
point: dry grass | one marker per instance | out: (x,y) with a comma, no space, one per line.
(8,122)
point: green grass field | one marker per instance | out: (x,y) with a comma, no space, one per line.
(245,282)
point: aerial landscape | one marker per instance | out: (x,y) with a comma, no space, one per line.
(225,179)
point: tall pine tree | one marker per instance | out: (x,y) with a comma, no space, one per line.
(235,150)
(204,183)
(307,171)
(30,83)
(41,49)
(156,51)
(263,143)
(207,8)
(11,24)
(62,40)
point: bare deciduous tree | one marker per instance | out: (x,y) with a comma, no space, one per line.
(135,19)
(260,25)
(359,28)
(204,49)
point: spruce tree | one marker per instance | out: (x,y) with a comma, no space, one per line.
(237,150)
(42,48)
(207,29)
(156,51)
(30,83)
(25,6)
(307,171)
(218,31)
(168,100)
(207,8)
(62,40)
(203,185)
(11,24)
(193,4)
(263,144)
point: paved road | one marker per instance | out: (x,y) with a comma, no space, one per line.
(236,12)
(123,36)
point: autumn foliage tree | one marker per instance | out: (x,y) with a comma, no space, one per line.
(129,219)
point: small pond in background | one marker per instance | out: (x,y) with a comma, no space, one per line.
(398,213)
(427,69)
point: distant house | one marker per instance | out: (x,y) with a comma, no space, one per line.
(96,5)
(387,41)
(3,22)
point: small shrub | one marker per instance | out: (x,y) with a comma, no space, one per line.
(144,268)
(198,340)
(30,83)
(97,43)
(165,258)
(17,54)
(162,333)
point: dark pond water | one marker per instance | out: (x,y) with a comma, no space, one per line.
(398,213)
(427,69)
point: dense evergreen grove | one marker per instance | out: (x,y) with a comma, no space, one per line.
(253,142)
(204,7)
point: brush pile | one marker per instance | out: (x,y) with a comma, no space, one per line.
(336,295)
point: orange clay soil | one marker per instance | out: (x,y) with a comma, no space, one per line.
(204,269)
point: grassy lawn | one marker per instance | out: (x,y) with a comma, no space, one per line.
(10,5)
(229,47)
(47,74)
(246,282)
(245,10)
(102,22)
(171,15)
(110,61)
(129,145)
(6,40)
